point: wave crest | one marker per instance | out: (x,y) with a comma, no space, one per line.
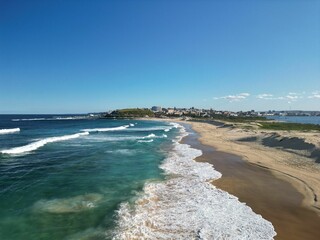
(35,145)
(145,141)
(105,129)
(10,130)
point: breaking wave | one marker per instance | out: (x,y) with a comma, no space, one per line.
(50,119)
(10,130)
(152,135)
(124,138)
(105,129)
(188,206)
(35,145)
(159,128)
(145,141)
(28,119)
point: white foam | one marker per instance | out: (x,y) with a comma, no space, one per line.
(69,118)
(28,119)
(187,206)
(102,138)
(10,130)
(158,128)
(35,145)
(50,119)
(152,135)
(145,141)
(175,125)
(105,129)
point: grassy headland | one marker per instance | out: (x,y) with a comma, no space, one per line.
(130,113)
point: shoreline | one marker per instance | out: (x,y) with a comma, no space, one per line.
(297,174)
(283,193)
(282,199)
(186,205)
(300,171)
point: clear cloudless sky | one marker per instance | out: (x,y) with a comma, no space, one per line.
(77,56)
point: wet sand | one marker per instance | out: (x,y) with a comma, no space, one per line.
(268,193)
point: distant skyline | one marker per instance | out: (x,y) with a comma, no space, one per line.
(91,56)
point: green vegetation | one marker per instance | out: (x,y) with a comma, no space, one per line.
(229,118)
(289,126)
(131,113)
(239,119)
(248,123)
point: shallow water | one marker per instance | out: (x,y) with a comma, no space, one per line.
(73,185)
(101,179)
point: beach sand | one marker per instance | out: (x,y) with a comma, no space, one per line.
(282,190)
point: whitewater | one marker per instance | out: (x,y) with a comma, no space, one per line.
(11,130)
(84,132)
(187,206)
(113,179)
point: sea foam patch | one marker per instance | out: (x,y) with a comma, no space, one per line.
(50,119)
(106,129)
(145,141)
(35,145)
(146,129)
(10,130)
(103,138)
(27,119)
(187,206)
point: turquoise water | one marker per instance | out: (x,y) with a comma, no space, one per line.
(66,187)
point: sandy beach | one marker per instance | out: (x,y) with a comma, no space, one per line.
(301,171)
(281,186)
(280,183)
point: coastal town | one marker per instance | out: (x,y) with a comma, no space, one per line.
(162,112)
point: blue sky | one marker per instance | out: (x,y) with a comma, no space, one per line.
(85,56)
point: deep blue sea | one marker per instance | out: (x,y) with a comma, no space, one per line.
(61,178)
(297,119)
(65,177)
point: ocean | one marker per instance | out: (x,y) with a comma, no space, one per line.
(66,177)
(297,119)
